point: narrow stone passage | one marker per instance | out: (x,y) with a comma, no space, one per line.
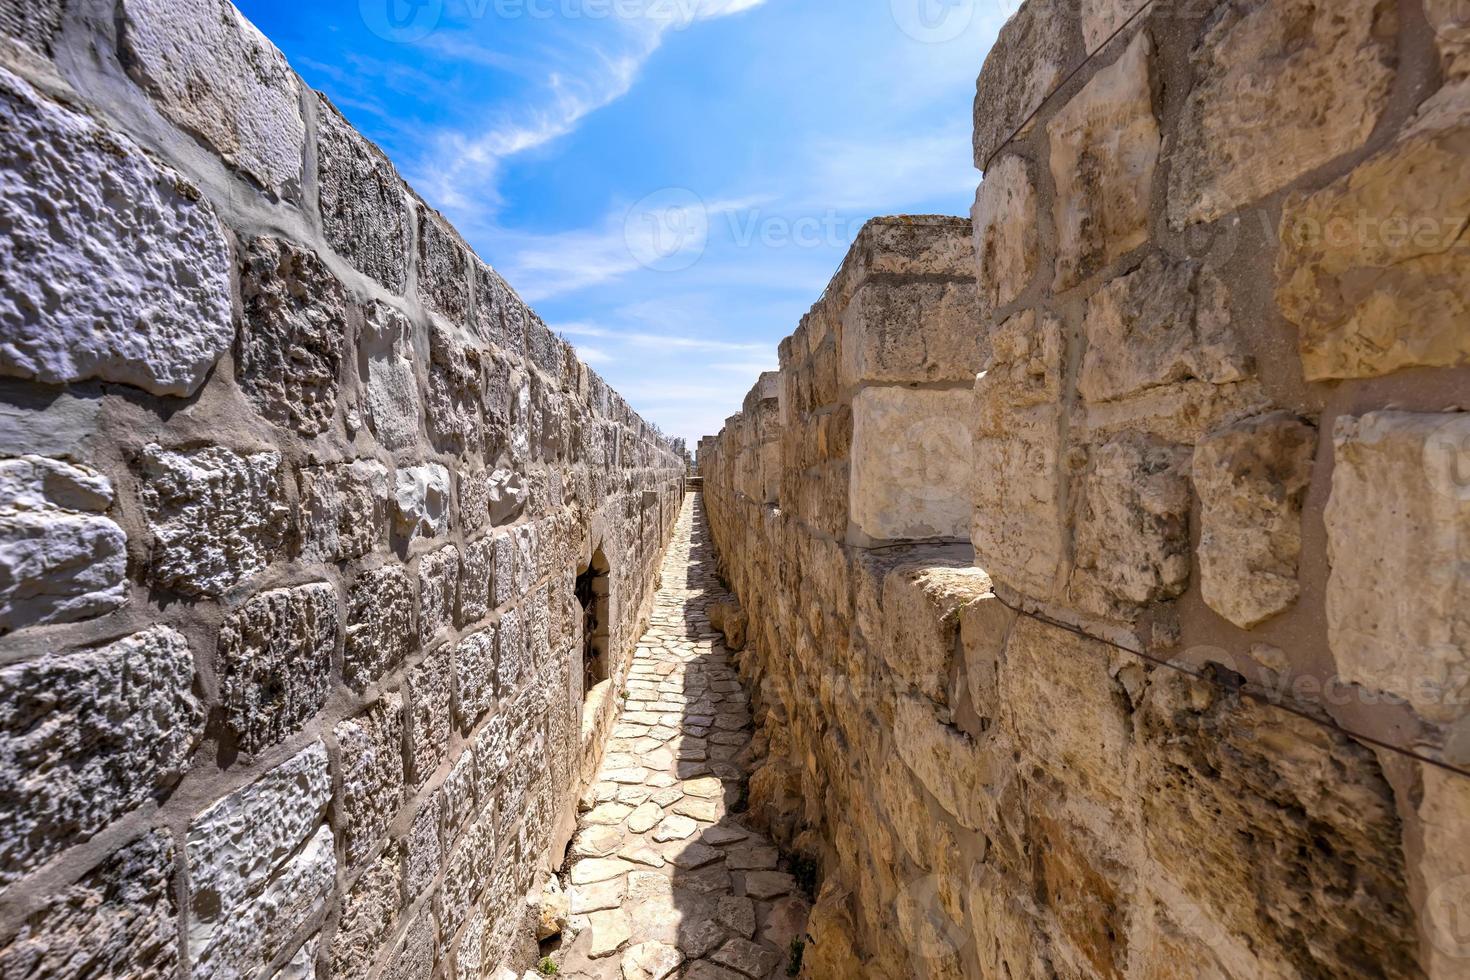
(664,880)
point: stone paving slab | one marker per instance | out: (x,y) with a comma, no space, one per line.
(669,882)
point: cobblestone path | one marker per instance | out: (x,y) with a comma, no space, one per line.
(664,880)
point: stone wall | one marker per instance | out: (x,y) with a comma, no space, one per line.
(294,490)
(1183,703)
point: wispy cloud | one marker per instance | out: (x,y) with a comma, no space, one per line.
(659,341)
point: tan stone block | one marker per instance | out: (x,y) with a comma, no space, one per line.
(1282,88)
(1104,148)
(1018,529)
(1262,817)
(1168,322)
(1451,22)
(1444,812)
(1050,674)
(1034,48)
(911,459)
(1251,479)
(1131,542)
(956,769)
(922,606)
(1184,412)
(1372,269)
(1085,890)
(1006,238)
(984,627)
(1100,18)
(909,332)
(1398,541)
(1008,937)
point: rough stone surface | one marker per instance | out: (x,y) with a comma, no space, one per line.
(1132,526)
(288,357)
(102,234)
(444,271)
(1371,268)
(61,560)
(371,747)
(1101,19)
(1400,513)
(34,24)
(1252,479)
(455,393)
(363,205)
(421,498)
(119,920)
(912,460)
(428,714)
(390,393)
(380,625)
(218,517)
(911,332)
(88,736)
(1034,49)
(344,509)
(275,659)
(1104,148)
(1280,90)
(217,77)
(1167,323)
(368,916)
(474,677)
(1006,242)
(422,849)
(476,581)
(260,861)
(438,587)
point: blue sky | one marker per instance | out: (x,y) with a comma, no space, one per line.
(670,183)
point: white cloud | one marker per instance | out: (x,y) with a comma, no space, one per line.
(658,341)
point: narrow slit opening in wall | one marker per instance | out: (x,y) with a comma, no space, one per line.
(593,588)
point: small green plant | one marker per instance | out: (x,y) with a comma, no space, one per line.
(798,950)
(548,967)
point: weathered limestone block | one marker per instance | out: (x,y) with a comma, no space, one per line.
(511,664)
(260,862)
(500,316)
(390,391)
(1018,528)
(371,749)
(1101,18)
(1372,268)
(302,965)
(118,921)
(428,714)
(1131,539)
(421,497)
(528,544)
(422,853)
(984,625)
(61,560)
(87,736)
(476,581)
(911,463)
(1280,90)
(344,509)
(1007,248)
(1104,148)
(474,677)
(1050,673)
(1006,932)
(275,662)
(413,957)
(116,268)
(458,793)
(466,874)
(1086,889)
(922,605)
(218,517)
(444,267)
(1445,866)
(369,914)
(1034,49)
(288,357)
(363,206)
(1166,323)
(380,625)
(454,393)
(953,767)
(215,76)
(508,496)
(34,23)
(474,500)
(1262,817)
(438,585)
(905,245)
(504,585)
(908,332)
(1398,541)
(1451,24)
(1252,479)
